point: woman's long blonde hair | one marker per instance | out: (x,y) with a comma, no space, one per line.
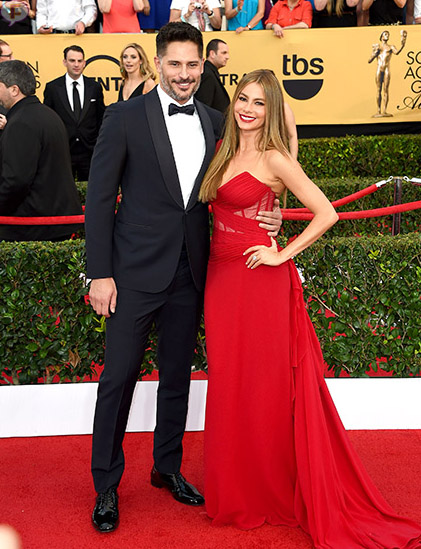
(339,7)
(145,68)
(272,136)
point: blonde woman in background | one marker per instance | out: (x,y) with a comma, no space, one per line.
(335,13)
(137,73)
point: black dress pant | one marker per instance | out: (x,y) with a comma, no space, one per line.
(176,313)
(81,157)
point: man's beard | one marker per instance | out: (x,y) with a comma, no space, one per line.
(172,93)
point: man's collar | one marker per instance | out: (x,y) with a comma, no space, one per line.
(70,80)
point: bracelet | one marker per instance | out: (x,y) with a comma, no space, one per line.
(183,19)
(211,14)
(249,28)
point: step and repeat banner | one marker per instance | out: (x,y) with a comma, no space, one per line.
(329,76)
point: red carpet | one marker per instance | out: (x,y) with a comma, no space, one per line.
(46,493)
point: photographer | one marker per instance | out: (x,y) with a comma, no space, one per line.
(204,15)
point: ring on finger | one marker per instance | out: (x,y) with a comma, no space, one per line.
(254,258)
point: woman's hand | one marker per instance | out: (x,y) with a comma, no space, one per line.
(277,30)
(263,255)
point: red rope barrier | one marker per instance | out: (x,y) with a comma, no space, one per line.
(342,201)
(52,220)
(362,214)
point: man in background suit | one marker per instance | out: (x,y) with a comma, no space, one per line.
(211,90)
(36,176)
(148,262)
(79,101)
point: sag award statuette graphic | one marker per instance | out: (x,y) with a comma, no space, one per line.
(15,11)
(383,52)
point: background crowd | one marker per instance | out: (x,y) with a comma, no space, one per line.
(132,16)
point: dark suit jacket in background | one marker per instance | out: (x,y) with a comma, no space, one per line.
(140,246)
(211,90)
(87,128)
(36,175)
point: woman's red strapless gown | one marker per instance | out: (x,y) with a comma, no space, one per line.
(275,448)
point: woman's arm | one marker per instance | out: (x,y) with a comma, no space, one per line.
(291,128)
(254,20)
(104,6)
(231,12)
(214,16)
(290,173)
(138,5)
(366,4)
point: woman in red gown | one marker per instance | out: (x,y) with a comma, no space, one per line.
(275,448)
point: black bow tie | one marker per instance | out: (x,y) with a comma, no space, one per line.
(174,109)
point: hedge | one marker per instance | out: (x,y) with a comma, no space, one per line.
(371,284)
(361,156)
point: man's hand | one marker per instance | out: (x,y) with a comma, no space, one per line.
(45,30)
(3,121)
(271,221)
(103,296)
(79,28)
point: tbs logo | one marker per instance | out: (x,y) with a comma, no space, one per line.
(301,88)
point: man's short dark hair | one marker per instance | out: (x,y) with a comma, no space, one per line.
(214,45)
(2,43)
(17,73)
(178,32)
(73,48)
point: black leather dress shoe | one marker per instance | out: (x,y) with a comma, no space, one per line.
(105,514)
(181,490)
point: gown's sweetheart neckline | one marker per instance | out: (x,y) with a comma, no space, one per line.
(242,173)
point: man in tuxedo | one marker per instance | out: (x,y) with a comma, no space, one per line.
(211,91)
(36,176)
(79,101)
(148,262)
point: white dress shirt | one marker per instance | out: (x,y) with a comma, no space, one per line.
(80,89)
(187,142)
(64,14)
(183,5)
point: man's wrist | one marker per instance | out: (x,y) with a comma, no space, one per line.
(211,13)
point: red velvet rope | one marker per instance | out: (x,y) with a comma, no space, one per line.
(362,214)
(341,201)
(53,220)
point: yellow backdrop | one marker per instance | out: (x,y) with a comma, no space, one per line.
(325,73)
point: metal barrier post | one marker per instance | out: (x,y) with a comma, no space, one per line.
(397,199)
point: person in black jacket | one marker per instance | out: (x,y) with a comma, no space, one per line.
(36,176)
(79,101)
(211,91)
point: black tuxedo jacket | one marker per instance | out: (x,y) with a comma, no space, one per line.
(87,127)
(140,246)
(211,90)
(36,174)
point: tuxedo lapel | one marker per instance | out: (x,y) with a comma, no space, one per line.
(162,145)
(89,90)
(210,150)
(62,93)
